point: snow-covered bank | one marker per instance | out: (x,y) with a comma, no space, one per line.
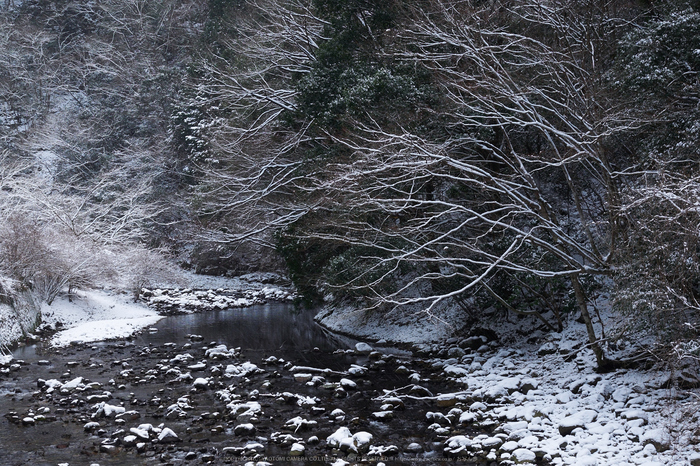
(96,315)
(400,325)
(206,293)
(541,392)
(556,409)
(19,312)
(189,301)
(250,281)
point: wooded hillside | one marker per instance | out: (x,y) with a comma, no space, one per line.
(525,156)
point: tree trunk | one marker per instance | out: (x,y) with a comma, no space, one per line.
(602,362)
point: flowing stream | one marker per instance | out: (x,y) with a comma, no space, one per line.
(142,375)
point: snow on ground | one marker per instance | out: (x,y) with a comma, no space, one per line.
(206,293)
(401,325)
(565,413)
(541,391)
(96,315)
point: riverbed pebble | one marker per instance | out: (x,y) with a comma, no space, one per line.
(244,429)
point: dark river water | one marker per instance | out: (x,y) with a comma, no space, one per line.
(278,329)
(274,329)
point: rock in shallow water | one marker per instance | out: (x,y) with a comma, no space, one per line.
(244,429)
(414,448)
(201,383)
(338,436)
(167,436)
(297,449)
(363,348)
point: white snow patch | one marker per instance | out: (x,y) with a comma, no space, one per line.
(96,315)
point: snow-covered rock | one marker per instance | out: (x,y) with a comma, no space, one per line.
(659,438)
(297,449)
(302,377)
(72,384)
(348,384)
(547,348)
(221,352)
(241,370)
(633,414)
(335,439)
(201,383)
(694,459)
(523,455)
(457,445)
(167,435)
(363,348)
(141,433)
(362,441)
(244,429)
(298,423)
(106,410)
(245,411)
(577,420)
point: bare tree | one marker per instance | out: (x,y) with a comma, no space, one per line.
(523,118)
(250,163)
(86,170)
(437,216)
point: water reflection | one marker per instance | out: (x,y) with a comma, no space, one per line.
(273,328)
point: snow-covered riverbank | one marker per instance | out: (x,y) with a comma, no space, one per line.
(103,314)
(562,412)
(542,392)
(96,315)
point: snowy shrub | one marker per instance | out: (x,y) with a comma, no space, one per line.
(45,260)
(137,267)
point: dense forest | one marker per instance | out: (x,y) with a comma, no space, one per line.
(528,156)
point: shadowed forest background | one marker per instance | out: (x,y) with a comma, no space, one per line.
(536,157)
